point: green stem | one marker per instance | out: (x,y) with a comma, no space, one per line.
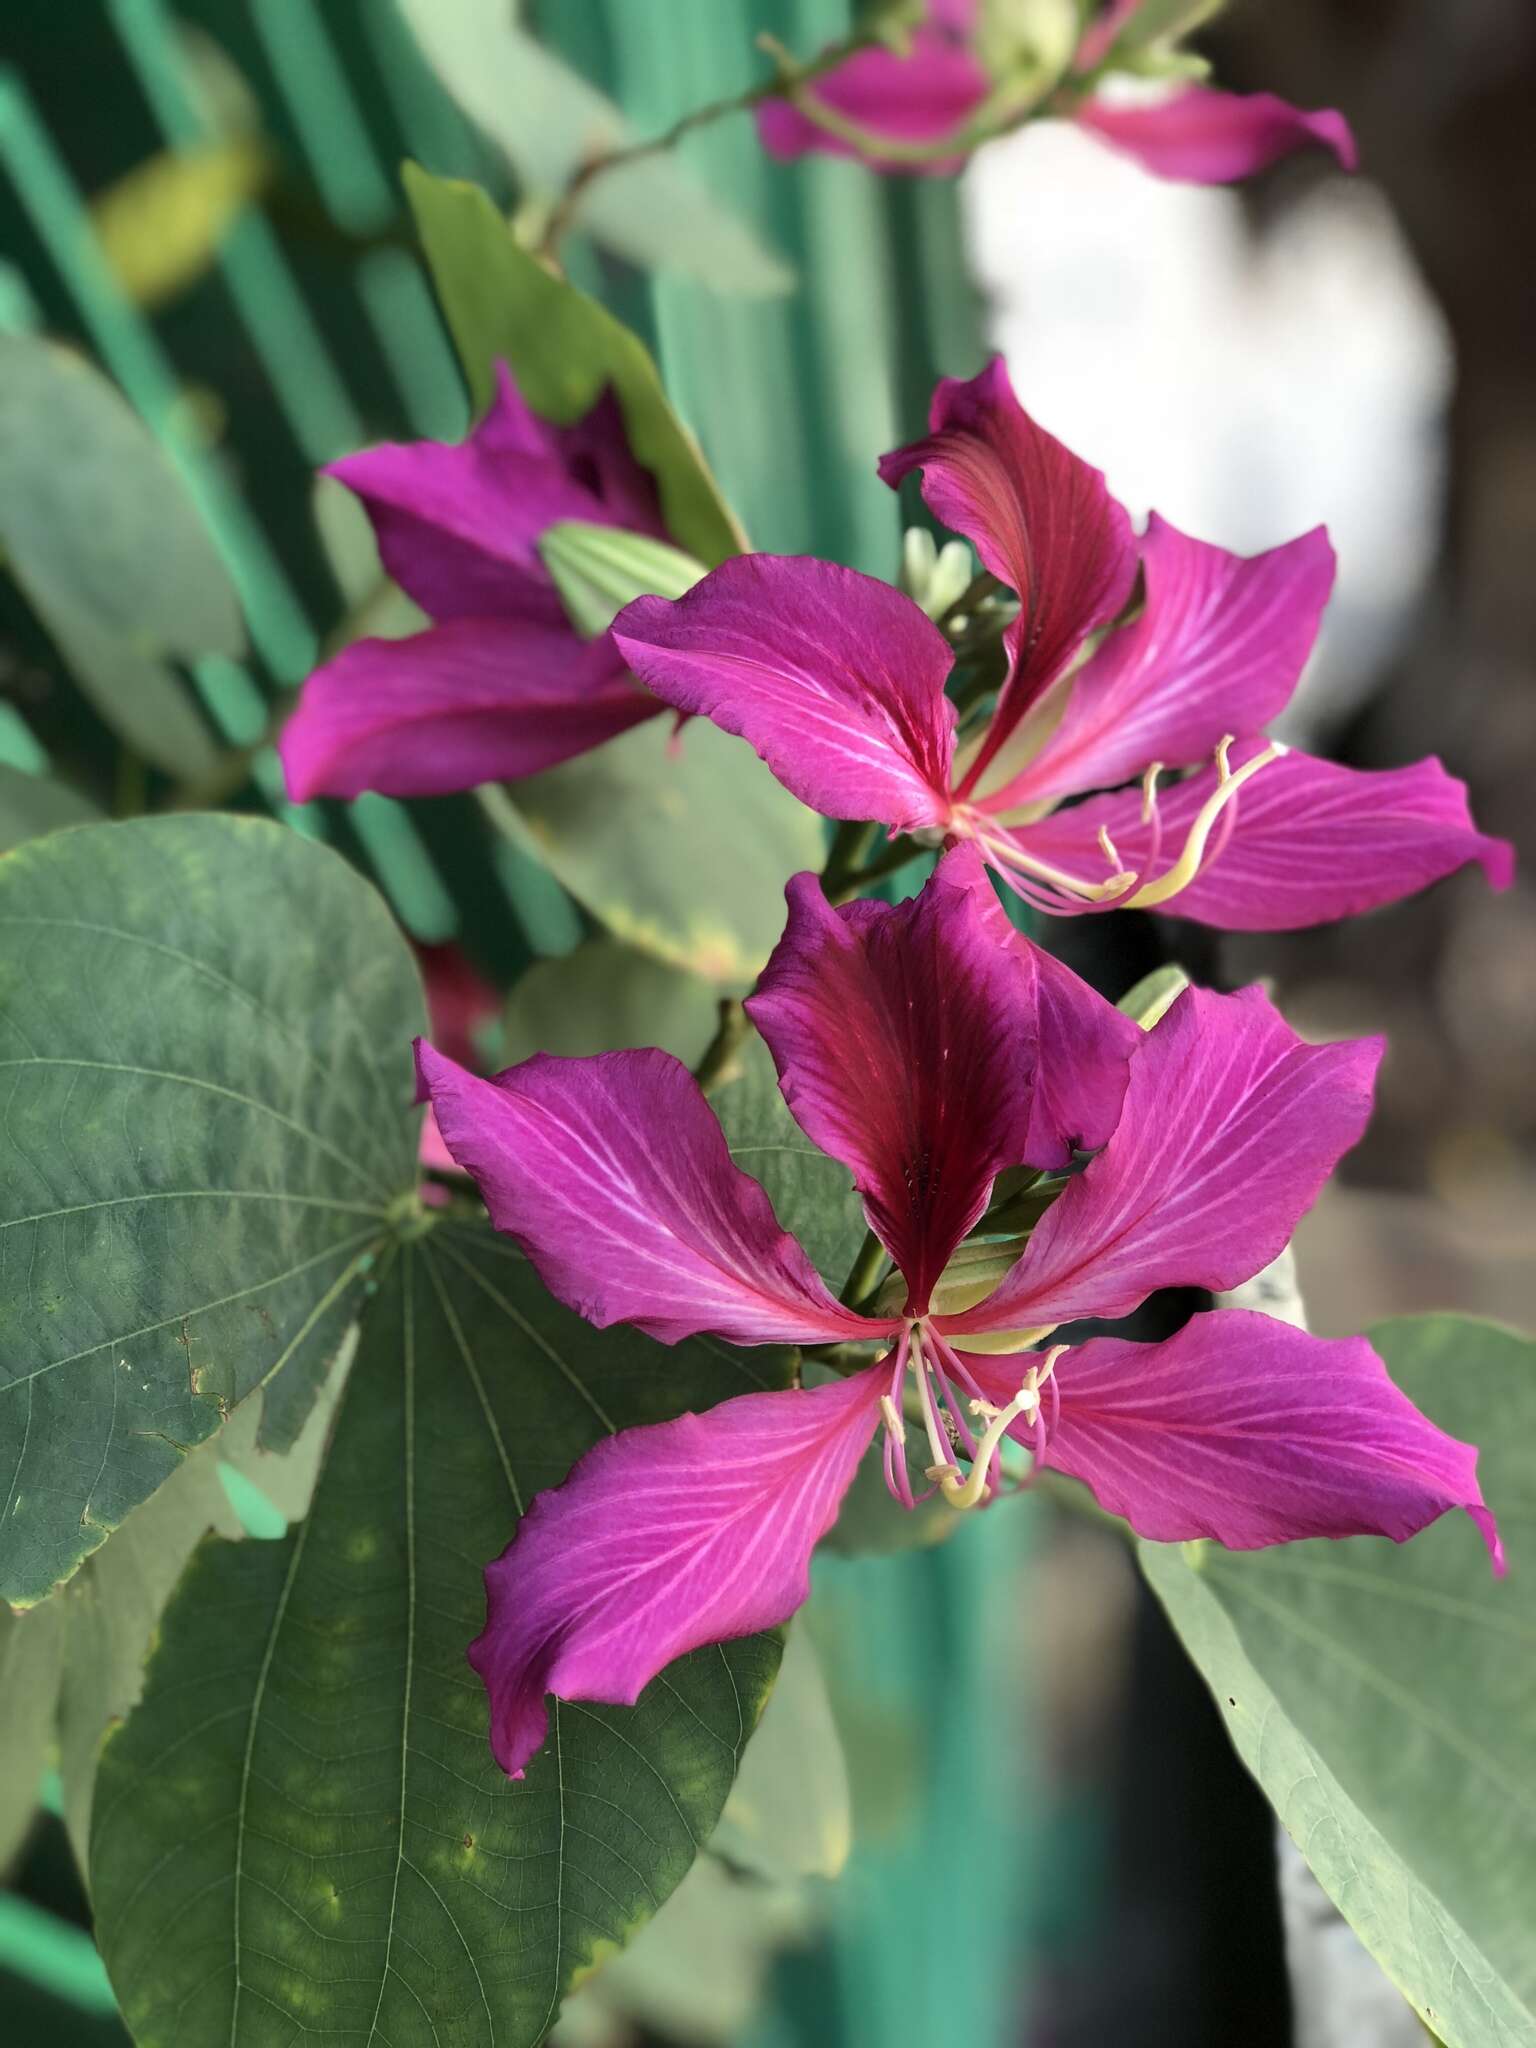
(719,1063)
(864,1274)
(896,855)
(788,77)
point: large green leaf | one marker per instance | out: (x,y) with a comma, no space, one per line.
(549,120)
(563,348)
(604,997)
(681,850)
(305,1796)
(96,528)
(205,1030)
(1385,1699)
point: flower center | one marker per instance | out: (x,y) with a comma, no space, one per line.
(1052,889)
(944,1394)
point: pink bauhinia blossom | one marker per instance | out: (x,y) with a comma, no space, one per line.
(499,686)
(928,1048)
(915,102)
(838,681)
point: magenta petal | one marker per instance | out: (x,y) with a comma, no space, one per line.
(836,679)
(1309,842)
(458,523)
(919,98)
(928,1046)
(1042,521)
(615,1178)
(1199,136)
(1231,1125)
(1215,653)
(1251,1432)
(473,701)
(664,1539)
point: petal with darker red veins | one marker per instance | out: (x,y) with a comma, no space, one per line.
(1230,1127)
(1214,654)
(664,1539)
(458,523)
(1199,136)
(928,1046)
(918,98)
(1251,1432)
(472,701)
(836,680)
(613,1175)
(1305,841)
(1042,521)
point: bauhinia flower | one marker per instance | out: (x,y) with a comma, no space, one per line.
(901,112)
(499,686)
(928,1048)
(839,682)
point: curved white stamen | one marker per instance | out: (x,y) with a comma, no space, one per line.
(1074,885)
(1108,848)
(891,1416)
(1026,1403)
(1186,867)
(1149,792)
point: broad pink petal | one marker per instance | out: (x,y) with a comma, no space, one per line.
(476,700)
(1041,520)
(1309,841)
(919,98)
(1231,1125)
(615,1178)
(1215,653)
(836,679)
(915,1043)
(458,524)
(1251,1432)
(1199,136)
(664,1539)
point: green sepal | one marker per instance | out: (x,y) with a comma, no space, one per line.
(598,569)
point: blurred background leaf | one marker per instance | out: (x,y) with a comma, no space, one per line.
(551,121)
(1385,1698)
(161,225)
(98,531)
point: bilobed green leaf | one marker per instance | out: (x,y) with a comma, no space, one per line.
(562,347)
(550,121)
(306,1793)
(604,997)
(1385,1699)
(205,1028)
(96,528)
(681,850)
(812,1194)
(31,805)
(112,1606)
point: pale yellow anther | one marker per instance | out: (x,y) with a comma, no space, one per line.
(1187,866)
(1149,791)
(1107,847)
(892,1417)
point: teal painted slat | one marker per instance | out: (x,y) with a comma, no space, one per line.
(129,347)
(314,398)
